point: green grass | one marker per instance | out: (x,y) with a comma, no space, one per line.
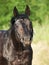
(41,32)
(40,43)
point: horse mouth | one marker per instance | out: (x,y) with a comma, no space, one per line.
(26,42)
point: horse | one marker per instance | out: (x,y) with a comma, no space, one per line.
(15,43)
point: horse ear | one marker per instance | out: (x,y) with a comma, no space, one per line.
(27,10)
(15,11)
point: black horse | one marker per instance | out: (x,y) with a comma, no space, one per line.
(15,43)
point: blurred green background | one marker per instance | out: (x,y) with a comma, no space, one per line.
(40,20)
(39,10)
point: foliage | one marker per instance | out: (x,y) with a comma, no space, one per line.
(39,10)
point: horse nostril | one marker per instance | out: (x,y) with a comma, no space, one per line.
(26,39)
(23,38)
